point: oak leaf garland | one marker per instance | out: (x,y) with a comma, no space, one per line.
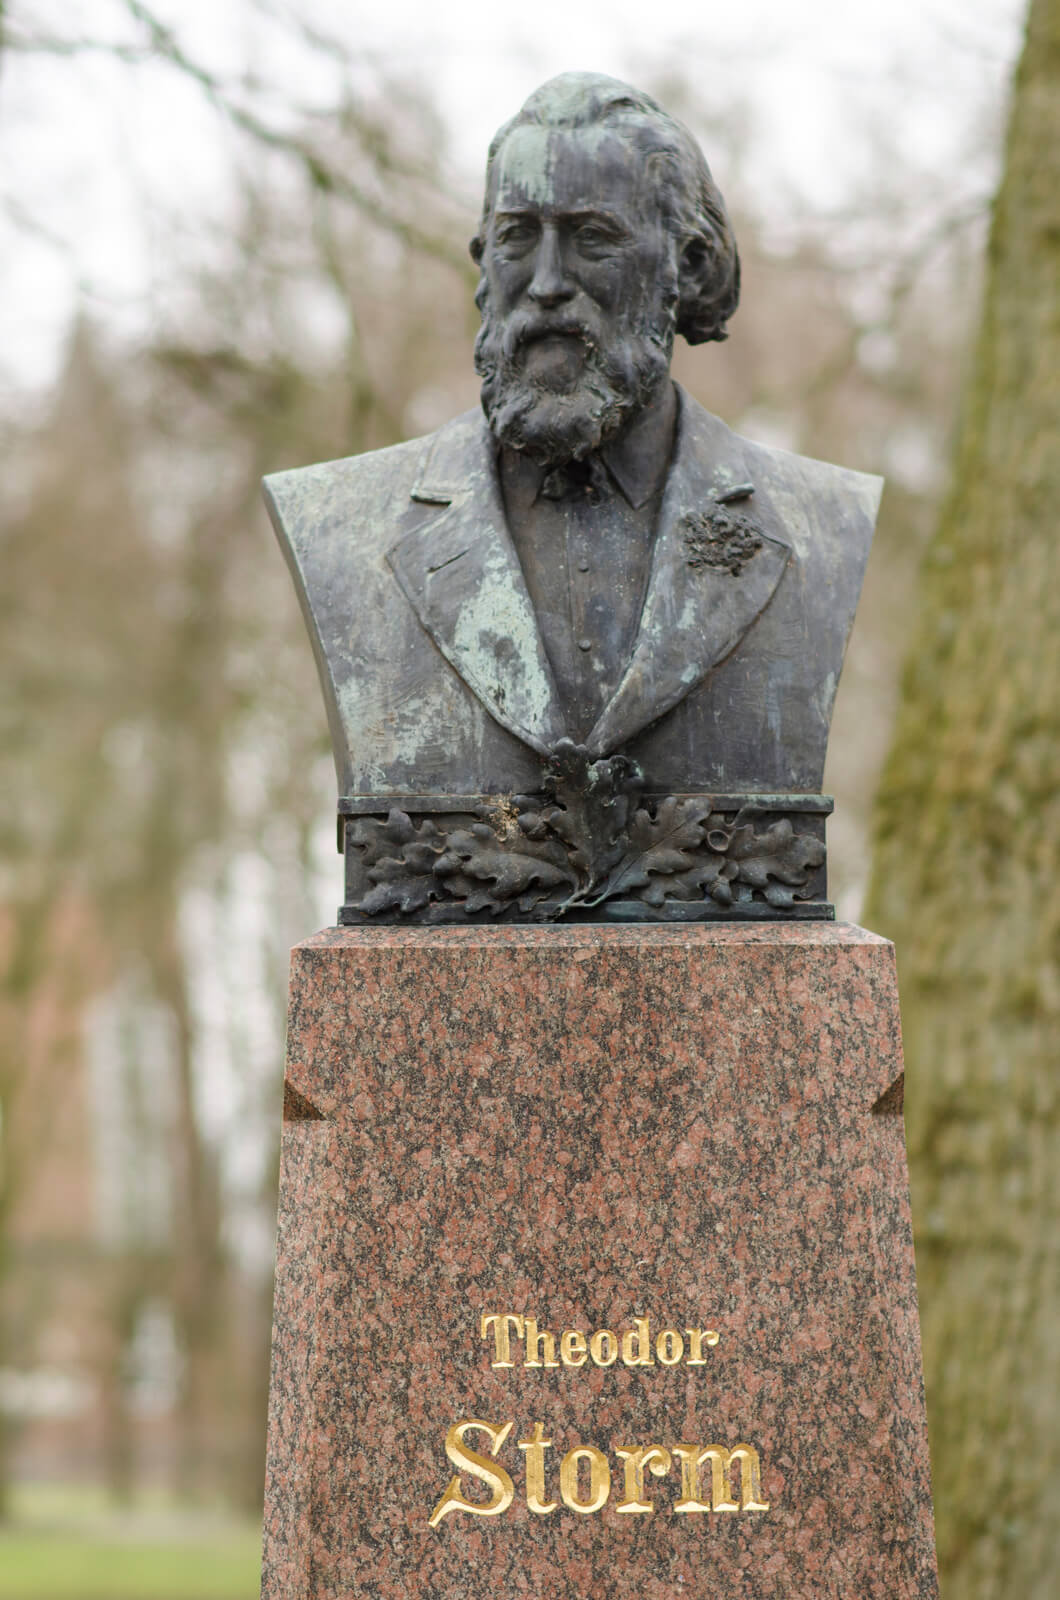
(585,839)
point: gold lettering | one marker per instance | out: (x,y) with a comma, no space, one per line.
(656,1459)
(596,1348)
(692,1457)
(466,1460)
(641,1331)
(535,1448)
(599,1479)
(634,1344)
(750,1478)
(669,1347)
(696,1339)
(538,1344)
(502,1344)
(572,1348)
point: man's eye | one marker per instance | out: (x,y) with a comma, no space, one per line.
(592,237)
(516,233)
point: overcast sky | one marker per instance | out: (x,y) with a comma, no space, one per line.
(92,149)
(803,64)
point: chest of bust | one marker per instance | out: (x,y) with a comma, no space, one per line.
(586,553)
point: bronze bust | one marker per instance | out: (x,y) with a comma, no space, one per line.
(580,650)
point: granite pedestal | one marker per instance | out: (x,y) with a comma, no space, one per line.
(595,1271)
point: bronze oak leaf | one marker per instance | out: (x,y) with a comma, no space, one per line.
(498,873)
(658,846)
(777,861)
(399,861)
(588,805)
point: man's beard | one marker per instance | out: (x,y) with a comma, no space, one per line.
(551,422)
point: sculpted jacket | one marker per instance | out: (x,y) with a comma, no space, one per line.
(433,668)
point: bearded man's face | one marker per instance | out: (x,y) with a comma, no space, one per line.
(578,292)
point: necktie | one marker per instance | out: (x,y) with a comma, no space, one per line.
(575,478)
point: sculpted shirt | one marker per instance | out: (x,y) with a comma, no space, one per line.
(585,536)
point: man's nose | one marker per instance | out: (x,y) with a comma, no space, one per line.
(551,284)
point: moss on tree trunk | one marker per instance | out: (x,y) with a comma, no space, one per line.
(967,882)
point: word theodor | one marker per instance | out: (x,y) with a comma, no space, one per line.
(603,1348)
(585,1476)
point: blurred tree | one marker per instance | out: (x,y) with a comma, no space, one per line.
(156,679)
(388,180)
(965,881)
(66,552)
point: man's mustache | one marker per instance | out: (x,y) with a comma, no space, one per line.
(523,328)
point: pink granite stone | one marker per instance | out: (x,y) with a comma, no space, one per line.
(587,1125)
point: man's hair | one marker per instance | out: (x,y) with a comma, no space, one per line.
(691,204)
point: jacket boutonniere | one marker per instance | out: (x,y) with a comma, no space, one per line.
(720,536)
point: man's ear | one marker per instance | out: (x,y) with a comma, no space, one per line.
(709,287)
(697,258)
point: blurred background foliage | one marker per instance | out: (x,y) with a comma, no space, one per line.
(165,824)
(967,883)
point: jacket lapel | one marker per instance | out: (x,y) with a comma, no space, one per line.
(460,573)
(694,614)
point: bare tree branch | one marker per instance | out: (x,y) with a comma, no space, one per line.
(323,175)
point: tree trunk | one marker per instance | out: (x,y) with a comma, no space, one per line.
(198,1267)
(118,1453)
(967,883)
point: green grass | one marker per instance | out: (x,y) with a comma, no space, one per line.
(68,1545)
(35,1568)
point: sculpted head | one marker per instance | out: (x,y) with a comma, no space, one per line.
(602,236)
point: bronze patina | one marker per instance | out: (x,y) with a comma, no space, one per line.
(580,649)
